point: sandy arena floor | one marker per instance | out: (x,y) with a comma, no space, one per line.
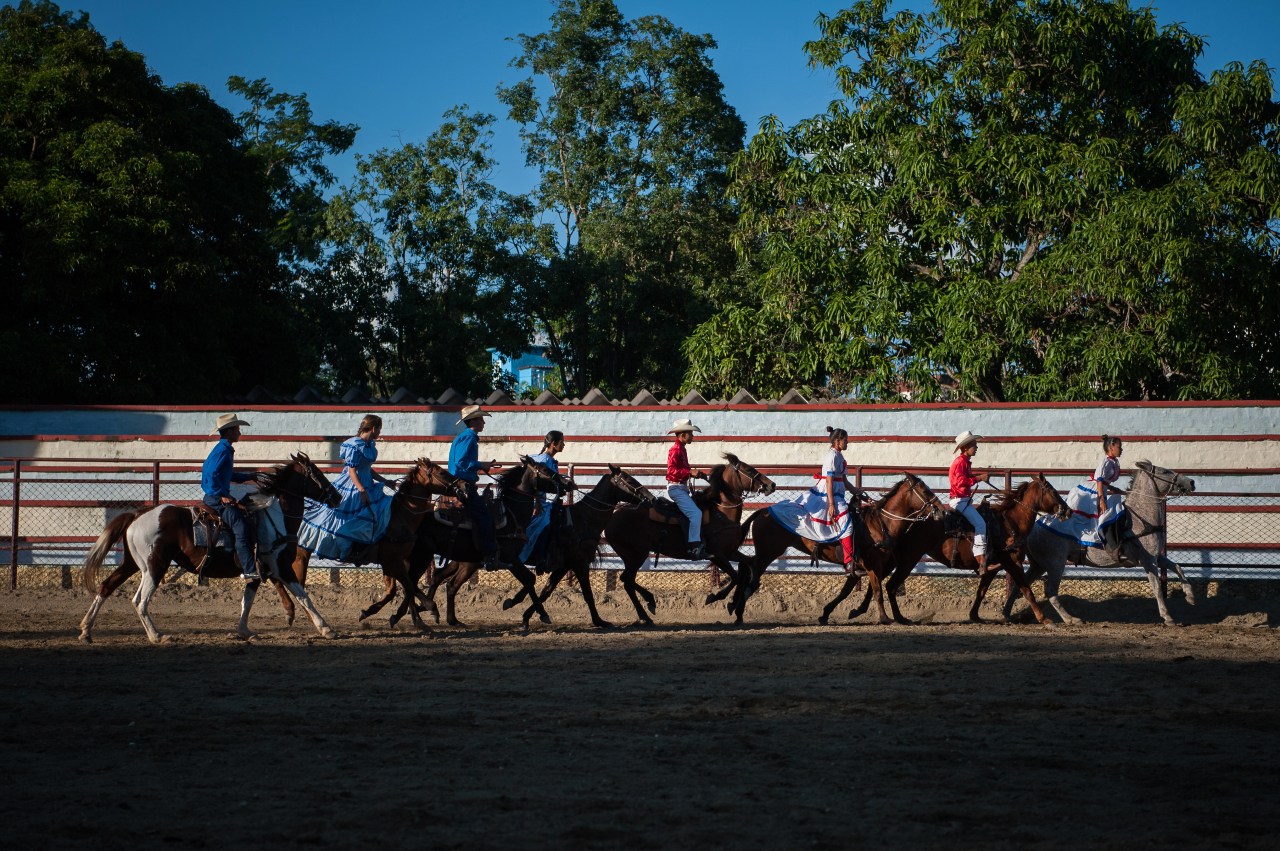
(1118,734)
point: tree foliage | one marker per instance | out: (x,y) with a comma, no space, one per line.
(133,228)
(626,124)
(1013,199)
(411,290)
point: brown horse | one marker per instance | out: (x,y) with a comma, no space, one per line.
(1009,522)
(517,487)
(576,545)
(411,505)
(907,503)
(633,534)
(158,536)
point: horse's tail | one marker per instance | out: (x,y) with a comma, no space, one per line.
(106,541)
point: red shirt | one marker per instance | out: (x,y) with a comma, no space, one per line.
(678,470)
(962,478)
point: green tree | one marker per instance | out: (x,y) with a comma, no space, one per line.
(412,288)
(626,124)
(133,228)
(1013,199)
(291,149)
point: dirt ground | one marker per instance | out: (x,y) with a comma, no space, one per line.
(693,734)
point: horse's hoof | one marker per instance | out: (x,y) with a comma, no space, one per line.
(164,639)
(506,604)
(86,638)
(364,614)
(605,625)
(456,624)
(328,632)
(544,617)
(711,598)
(435,616)
(822,619)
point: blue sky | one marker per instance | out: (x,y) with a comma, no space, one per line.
(393,68)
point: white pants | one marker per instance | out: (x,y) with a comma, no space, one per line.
(679,494)
(966,507)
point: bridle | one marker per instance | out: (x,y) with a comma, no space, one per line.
(621,482)
(928,506)
(309,472)
(435,478)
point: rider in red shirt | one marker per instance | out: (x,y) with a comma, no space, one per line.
(962,481)
(679,474)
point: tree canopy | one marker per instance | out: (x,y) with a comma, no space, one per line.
(1012,199)
(627,125)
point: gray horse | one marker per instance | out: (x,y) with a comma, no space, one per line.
(1048,552)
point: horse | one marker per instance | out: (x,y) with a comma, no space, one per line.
(157,536)
(633,533)
(1009,521)
(1143,545)
(517,487)
(908,502)
(411,504)
(577,543)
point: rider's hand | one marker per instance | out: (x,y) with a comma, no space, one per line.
(364,497)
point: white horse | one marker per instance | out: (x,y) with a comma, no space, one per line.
(158,536)
(1143,545)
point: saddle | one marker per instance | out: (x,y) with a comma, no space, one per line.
(449,512)
(207,525)
(666,513)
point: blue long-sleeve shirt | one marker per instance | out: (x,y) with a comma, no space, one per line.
(464,456)
(217,474)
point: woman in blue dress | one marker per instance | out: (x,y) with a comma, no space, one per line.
(361,518)
(544,506)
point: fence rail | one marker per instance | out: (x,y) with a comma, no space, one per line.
(51,511)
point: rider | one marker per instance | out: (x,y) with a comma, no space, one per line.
(834,480)
(962,481)
(362,517)
(1107,472)
(464,463)
(216,478)
(679,473)
(543,507)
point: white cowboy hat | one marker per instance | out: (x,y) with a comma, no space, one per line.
(683,425)
(470,412)
(227,421)
(964,438)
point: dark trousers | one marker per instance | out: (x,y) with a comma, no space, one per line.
(479,511)
(237,520)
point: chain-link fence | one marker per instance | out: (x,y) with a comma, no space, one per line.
(51,511)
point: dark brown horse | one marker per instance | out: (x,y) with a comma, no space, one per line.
(410,506)
(1009,522)
(576,545)
(633,534)
(163,534)
(518,487)
(908,502)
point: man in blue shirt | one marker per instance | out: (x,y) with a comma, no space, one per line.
(464,455)
(215,479)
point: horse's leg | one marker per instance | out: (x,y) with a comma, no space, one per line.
(984,582)
(539,597)
(1151,565)
(157,564)
(727,586)
(246,605)
(1052,582)
(438,575)
(461,577)
(630,567)
(1019,579)
(317,620)
(1167,562)
(583,574)
(900,573)
(850,583)
(528,586)
(127,568)
(389,594)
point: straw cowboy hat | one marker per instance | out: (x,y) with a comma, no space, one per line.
(470,412)
(683,425)
(227,421)
(964,438)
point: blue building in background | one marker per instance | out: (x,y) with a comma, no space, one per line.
(528,370)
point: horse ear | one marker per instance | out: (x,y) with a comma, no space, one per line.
(1144,464)
(613,468)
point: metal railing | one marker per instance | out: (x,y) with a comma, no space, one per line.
(52,510)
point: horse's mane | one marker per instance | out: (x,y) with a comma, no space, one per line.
(509,478)
(403,482)
(268,481)
(715,484)
(1007,499)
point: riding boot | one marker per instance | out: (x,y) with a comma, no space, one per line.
(697,551)
(986,566)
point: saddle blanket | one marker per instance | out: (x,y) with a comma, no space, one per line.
(1085,525)
(806,517)
(337,533)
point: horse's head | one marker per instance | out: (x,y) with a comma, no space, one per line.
(534,476)
(1166,482)
(913,499)
(1044,498)
(626,488)
(299,477)
(430,477)
(740,477)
